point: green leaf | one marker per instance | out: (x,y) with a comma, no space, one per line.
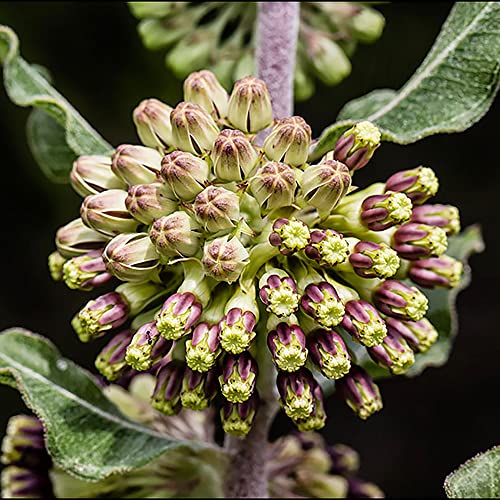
(86,434)
(27,86)
(479,477)
(451,90)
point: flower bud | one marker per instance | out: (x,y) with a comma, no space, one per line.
(233,156)
(101,315)
(107,213)
(288,346)
(178,315)
(329,352)
(416,241)
(357,145)
(148,202)
(198,389)
(374,260)
(185,174)
(289,141)
(111,360)
(366,25)
(86,271)
(176,234)
(363,322)
(359,488)
(56,264)
(152,121)
(203,349)
(166,395)
(203,88)
(239,373)
(75,239)
(224,259)
(296,393)
(20,482)
(217,208)
(398,300)
(236,330)
(273,186)
(147,347)
(327,247)
(421,335)
(325,184)
(279,294)
(443,216)
(143,10)
(382,211)
(93,174)
(345,460)
(136,164)
(250,105)
(393,353)
(322,302)
(441,271)
(419,184)
(289,235)
(193,129)
(360,392)
(131,257)
(316,420)
(237,418)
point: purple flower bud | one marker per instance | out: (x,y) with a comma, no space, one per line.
(345,460)
(419,184)
(111,360)
(56,264)
(239,373)
(327,246)
(148,202)
(363,322)
(329,352)
(237,418)
(198,389)
(441,271)
(416,241)
(178,315)
(374,260)
(236,330)
(444,216)
(393,353)
(289,235)
(316,420)
(288,346)
(296,391)
(19,482)
(382,211)
(360,392)
(203,349)
(280,296)
(322,302)
(166,395)
(395,298)
(359,488)
(86,271)
(421,335)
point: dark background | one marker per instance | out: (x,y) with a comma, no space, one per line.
(429,424)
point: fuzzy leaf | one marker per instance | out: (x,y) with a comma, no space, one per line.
(26,86)
(86,434)
(451,90)
(479,477)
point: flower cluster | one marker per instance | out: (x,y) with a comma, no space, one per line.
(220,36)
(230,252)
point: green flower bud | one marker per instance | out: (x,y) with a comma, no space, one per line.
(131,257)
(296,393)
(198,389)
(279,293)
(250,105)
(239,374)
(322,302)
(166,396)
(421,335)
(185,173)
(329,353)
(176,234)
(367,25)
(75,238)
(419,184)
(317,419)
(274,185)
(287,344)
(289,235)
(203,349)
(193,129)
(382,211)
(415,241)
(237,418)
(217,208)
(327,247)
(224,259)
(111,360)
(393,353)
(93,174)
(152,121)
(234,158)
(148,202)
(143,10)
(56,264)
(20,482)
(85,271)
(373,260)
(289,141)
(303,83)
(203,89)
(363,322)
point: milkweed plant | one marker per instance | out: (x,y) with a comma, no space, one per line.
(235,267)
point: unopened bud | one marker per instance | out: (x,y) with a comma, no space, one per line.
(239,373)
(357,145)
(367,25)
(20,482)
(382,211)
(224,259)
(289,141)
(441,271)
(289,235)
(415,241)
(56,265)
(374,260)
(198,389)
(287,344)
(236,330)
(421,335)
(322,302)
(86,271)
(419,184)
(393,353)
(111,360)
(443,216)
(296,393)
(329,352)
(75,239)
(203,349)
(93,174)
(131,257)
(136,164)
(233,156)
(237,418)
(398,300)
(166,395)
(279,294)
(363,322)
(148,202)
(178,315)
(316,420)
(327,247)
(359,488)
(152,121)
(193,129)
(250,105)
(217,208)
(345,460)
(203,88)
